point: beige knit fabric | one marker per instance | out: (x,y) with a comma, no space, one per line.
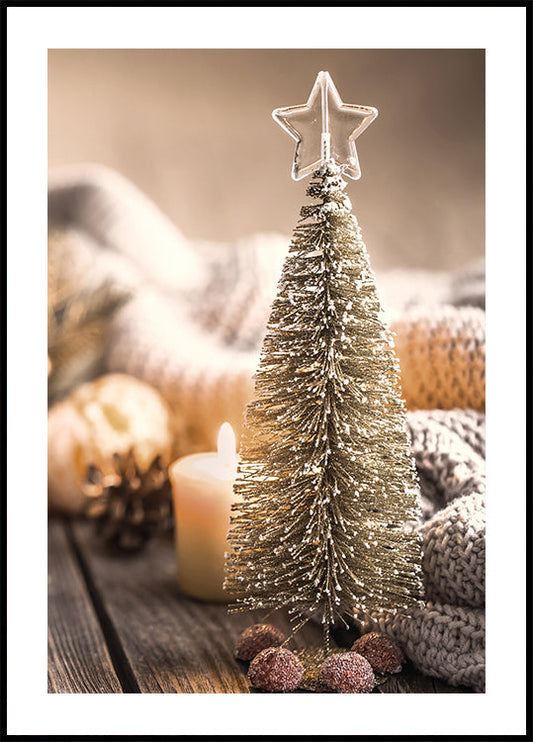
(442,357)
(206,376)
(203,382)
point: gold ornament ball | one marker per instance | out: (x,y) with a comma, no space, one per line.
(113,414)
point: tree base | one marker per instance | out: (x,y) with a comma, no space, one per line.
(312,659)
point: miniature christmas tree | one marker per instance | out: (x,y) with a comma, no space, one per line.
(326,480)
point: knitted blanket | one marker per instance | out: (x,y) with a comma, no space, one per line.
(193,329)
(446,639)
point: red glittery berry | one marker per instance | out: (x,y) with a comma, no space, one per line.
(382,652)
(255,638)
(347,672)
(275,669)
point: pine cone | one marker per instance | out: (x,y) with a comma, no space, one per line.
(129,507)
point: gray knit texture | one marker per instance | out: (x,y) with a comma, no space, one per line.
(446,639)
(443,641)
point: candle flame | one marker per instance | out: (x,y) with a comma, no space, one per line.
(226,446)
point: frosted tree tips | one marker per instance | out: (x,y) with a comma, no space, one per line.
(325,129)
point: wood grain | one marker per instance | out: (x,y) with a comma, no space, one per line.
(118,623)
(173,643)
(408,681)
(78,658)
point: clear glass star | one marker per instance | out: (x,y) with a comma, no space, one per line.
(325,129)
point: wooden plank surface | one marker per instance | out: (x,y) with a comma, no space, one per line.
(174,644)
(410,681)
(119,623)
(78,658)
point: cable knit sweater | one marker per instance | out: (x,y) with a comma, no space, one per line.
(193,330)
(447,638)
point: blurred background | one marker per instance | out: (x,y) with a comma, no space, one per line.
(171,208)
(192,129)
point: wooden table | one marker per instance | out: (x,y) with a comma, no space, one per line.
(118,624)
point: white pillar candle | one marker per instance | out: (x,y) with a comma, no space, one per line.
(202,487)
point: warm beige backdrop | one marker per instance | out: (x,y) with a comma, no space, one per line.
(193,129)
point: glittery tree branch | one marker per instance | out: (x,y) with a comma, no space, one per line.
(326,480)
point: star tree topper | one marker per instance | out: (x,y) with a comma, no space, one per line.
(325,129)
